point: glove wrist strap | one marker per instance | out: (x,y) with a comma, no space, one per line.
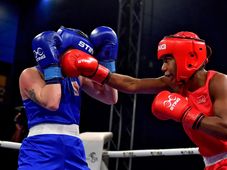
(109,64)
(101,75)
(193,118)
(52,74)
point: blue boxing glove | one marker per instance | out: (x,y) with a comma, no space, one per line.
(105,42)
(45,48)
(74,39)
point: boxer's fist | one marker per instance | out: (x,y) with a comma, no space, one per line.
(45,47)
(76,62)
(105,42)
(168,105)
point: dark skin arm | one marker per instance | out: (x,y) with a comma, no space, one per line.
(131,85)
(213,125)
(217,125)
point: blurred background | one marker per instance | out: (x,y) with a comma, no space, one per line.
(140,25)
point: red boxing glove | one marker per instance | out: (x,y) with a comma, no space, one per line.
(168,105)
(76,62)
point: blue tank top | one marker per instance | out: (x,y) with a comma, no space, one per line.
(68,111)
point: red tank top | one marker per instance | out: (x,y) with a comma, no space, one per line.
(200,99)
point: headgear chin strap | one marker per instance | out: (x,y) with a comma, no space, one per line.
(188,50)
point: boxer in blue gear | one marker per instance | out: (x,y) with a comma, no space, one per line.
(52,103)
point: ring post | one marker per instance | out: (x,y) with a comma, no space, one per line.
(94,146)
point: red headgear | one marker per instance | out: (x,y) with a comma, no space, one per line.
(188,50)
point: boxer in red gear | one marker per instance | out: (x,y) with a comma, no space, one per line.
(187,93)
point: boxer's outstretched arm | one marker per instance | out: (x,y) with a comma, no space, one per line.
(128,84)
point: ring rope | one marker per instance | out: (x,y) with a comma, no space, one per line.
(10,145)
(127,153)
(151,152)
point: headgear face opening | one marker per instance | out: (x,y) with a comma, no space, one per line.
(188,50)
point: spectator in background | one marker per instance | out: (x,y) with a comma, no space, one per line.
(21,128)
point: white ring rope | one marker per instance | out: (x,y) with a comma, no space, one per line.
(127,153)
(151,152)
(10,145)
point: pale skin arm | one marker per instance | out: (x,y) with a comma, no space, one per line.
(34,87)
(217,125)
(102,93)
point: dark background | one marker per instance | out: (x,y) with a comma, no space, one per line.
(21,20)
